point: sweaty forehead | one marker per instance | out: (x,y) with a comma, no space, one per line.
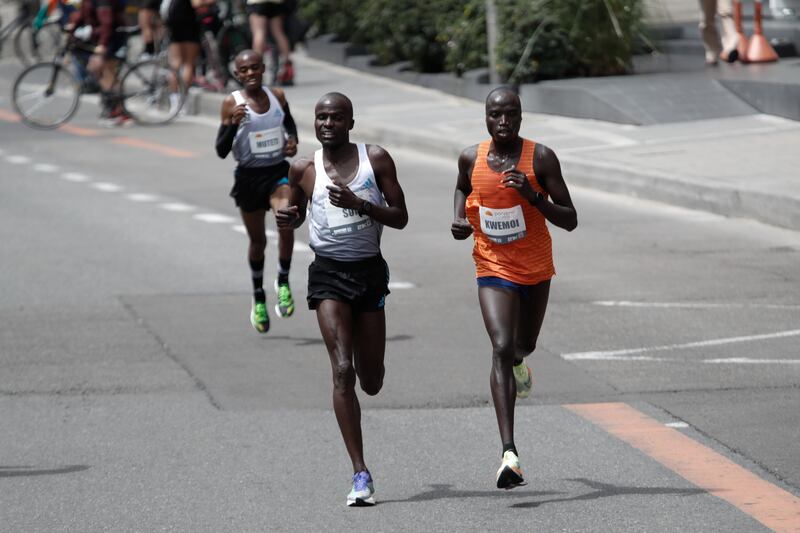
(334,105)
(503,99)
(247,58)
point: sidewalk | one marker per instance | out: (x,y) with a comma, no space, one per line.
(744,166)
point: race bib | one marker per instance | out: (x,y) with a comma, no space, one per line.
(503,225)
(266,144)
(345,221)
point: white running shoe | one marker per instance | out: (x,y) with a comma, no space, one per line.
(509,475)
(363,492)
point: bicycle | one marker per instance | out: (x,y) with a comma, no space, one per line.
(223,35)
(47,94)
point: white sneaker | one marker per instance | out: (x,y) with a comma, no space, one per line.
(509,475)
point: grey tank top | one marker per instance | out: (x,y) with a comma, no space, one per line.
(343,234)
(260,138)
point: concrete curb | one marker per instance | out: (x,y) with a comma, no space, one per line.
(694,193)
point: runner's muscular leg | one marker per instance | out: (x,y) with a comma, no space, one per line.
(369,348)
(258,28)
(254,224)
(336,325)
(531,316)
(279,200)
(500,308)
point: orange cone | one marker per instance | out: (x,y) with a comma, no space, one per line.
(759,50)
(741,46)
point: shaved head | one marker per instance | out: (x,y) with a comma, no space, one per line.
(337,100)
(247,55)
(503,95)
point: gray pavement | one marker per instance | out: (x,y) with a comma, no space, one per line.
(740,166)
(136,396)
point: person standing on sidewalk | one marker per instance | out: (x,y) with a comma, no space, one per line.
(716,48)
(267,16)
(353,192)
(507,188)
(258,126)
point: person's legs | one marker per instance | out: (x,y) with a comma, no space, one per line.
(500,309)
(730,38)
(531,316)
(146,18)
(369,348)
(189,51)
(335,320)
(285,306)
(276,27)
(254,224)
(708,30)
(258,27)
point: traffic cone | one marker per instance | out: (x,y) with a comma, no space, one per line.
(759,50)
(741,45)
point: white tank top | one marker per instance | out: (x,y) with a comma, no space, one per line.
(260,138)
(343,234)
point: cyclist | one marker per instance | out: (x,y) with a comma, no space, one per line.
(102,20)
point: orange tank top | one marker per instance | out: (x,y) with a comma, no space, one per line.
(511,237)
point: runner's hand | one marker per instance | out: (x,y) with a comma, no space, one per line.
(239,112)
(516,179)
(290,148)
(343,197)
(461,229)
(286,217)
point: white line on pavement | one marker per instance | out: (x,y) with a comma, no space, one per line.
(611,355)
(141,197)
(751,361)
(177,207)
(693,305)
(239,229)
(401,285)
(17,159)
(677,425)
(214,218)
(45,167)
(75,177)
(104,186)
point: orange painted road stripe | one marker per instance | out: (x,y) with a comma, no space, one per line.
(769,504)
(83,132)
(147,145)
(8,116)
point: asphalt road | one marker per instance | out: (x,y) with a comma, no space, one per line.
(135,396)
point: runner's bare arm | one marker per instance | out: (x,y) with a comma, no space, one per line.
(230,115)
(301,183)
(394,214)
(560,211)
(290,149)
(461,228)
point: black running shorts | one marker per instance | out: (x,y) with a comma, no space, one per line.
(267,9)
(363,284)
(253,186)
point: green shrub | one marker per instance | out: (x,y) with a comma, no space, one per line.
(538,39)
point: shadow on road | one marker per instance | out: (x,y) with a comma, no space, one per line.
(606,490)
(19,471)
(601,490)
(308,341)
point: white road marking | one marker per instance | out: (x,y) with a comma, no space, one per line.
(401,285)
(177,207)
(301,247)
(75,177)
(677,425)
(751,361)
(104,186)
(239,229)
(693,305)
(611,355)
(214,218)
(17,159)
(45,167)
(141,197)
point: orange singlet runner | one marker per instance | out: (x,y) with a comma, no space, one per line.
(511,237)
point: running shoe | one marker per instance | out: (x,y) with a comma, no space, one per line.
(259,316)
(524,379)
(285,305)
(363,492)
(286,75)
(509,475)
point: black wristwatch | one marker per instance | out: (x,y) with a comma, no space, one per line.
(538,197)
(365,209)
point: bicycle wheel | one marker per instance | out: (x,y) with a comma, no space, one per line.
(152,93)
(45,95)
(32,45)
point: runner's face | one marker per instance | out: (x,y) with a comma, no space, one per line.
(332,124)
(250,71)
(503,118)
